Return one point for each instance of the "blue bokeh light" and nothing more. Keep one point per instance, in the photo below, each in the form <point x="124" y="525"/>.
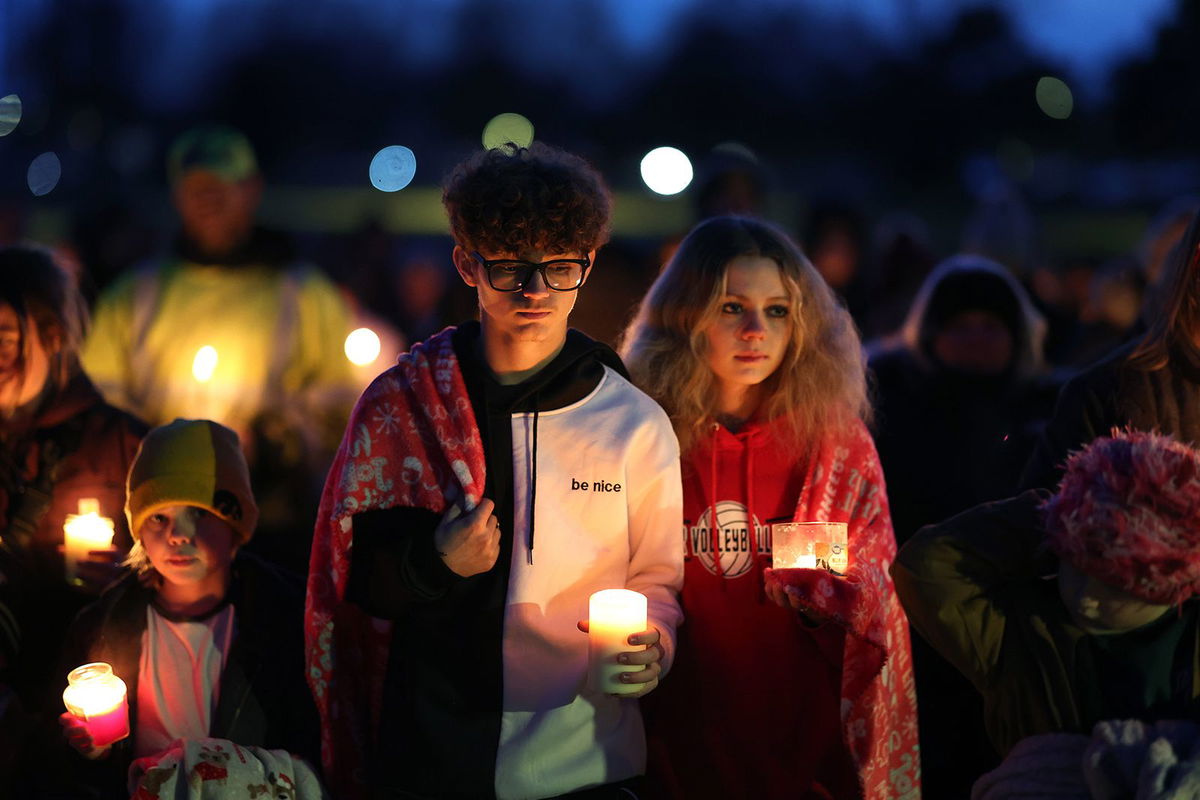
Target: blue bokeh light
<point x="44" y="173"/>
<point x="10" y="113"/>
<point x="393" y="168"/>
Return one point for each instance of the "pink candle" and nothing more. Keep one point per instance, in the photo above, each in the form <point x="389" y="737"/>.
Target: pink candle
<point x="96" y="697"/>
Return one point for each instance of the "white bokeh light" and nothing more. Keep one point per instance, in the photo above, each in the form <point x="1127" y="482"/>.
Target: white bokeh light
<point x="362" y="346"/>
<point x="666" y="170"/>
<point x="205" y="363"/>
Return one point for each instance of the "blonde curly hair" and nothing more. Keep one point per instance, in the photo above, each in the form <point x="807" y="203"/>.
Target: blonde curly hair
<point x="821" y="384"/>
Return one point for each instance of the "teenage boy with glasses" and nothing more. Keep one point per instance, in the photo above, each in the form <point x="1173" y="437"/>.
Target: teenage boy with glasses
<point x="488" y="484"/>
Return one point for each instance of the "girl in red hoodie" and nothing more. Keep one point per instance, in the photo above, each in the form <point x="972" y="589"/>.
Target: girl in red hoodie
<point x="796" y="683"/>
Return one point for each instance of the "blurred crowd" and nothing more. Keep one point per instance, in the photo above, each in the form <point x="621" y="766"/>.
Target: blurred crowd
<point x="967" y="350"/>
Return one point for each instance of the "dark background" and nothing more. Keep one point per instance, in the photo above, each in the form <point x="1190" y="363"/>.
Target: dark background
<point x="917" y="106"/>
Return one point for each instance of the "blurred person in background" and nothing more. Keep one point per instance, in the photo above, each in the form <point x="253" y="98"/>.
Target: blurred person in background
<point x="1109" y="317"/>
<point x="834" y="239"/>
<point x="1149" y="384"/>
<point x="230" y="326"/>
<point x="1156" y="252"/>
<point x="1003" y="228"/>
<point x="1163" y="235"/>
<point x="778" y="690"/>
<point x="426" y="298"/>
<point x="959" y="405"/>
<point x="60" y="443"/>
<point x="900" y="260"/>
<point x="730" y="179"/>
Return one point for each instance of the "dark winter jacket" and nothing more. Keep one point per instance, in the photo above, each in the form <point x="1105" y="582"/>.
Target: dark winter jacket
<point x="947" y="441"/>
<point x="264" y="699"/>
<point x="79" y="446"/>
<point x="1116" y="393"/>
<point x="981" y="589"/>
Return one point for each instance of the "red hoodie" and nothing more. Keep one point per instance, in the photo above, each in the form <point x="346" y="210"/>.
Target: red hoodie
<point x="757" y="705"/>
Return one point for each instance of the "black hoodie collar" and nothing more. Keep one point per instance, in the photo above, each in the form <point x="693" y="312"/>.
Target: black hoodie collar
<point x="568" y="378"/>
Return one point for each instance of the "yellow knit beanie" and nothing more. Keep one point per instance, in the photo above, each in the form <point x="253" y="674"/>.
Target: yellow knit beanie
<point x="194" y="462"/>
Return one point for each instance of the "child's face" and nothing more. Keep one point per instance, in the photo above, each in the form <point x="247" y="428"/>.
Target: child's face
<point x="1098" y="607"/>
<point x="187" y="544"/>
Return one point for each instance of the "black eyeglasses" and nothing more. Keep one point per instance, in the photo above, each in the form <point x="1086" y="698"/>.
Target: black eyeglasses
<point x="511" y="274"/>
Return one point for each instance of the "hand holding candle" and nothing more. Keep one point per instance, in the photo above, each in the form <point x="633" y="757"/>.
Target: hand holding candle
<point x="810" y="545"/>
<point x="95" y="698"/>
<point x="623" y="656"/>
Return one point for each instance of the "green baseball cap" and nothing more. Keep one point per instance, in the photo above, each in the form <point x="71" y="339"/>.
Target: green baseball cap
<point x="219" y="149"/>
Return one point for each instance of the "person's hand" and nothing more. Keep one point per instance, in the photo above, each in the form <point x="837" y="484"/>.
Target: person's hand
<point x="99" y="569"/>
<point x="781" y="597"/>
<point x="469" y="543"/>
<point x="650" y="657"/>
<point x="79" y="737"/>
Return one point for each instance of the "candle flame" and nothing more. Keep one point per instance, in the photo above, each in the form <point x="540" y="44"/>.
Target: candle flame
<point x="205" y="363"/>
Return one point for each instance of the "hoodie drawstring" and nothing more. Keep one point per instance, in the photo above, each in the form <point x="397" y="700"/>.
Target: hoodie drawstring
<point x="755" y="562"/>
<point x="533" y="478"/>
<point x="713" y="527"/>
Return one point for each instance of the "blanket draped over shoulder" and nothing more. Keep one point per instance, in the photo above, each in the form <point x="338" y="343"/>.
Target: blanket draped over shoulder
<point x="879" y="699"/>
<point x="412" y="441"/>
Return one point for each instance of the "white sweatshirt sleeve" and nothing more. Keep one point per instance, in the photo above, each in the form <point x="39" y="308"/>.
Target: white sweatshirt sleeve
<point x="655" y="525"/>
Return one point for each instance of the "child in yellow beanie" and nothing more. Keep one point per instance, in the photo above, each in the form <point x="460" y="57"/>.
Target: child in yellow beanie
<point x="208" y="640"/>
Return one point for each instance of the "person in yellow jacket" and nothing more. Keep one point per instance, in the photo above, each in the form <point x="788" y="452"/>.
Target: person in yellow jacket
<point x="230" y="326"/>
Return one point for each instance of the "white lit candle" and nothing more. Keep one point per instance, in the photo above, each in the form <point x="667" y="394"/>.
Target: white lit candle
<point x="84" y="532"/>
<point x="613" y="616"/>
<point x="96" y="697"/>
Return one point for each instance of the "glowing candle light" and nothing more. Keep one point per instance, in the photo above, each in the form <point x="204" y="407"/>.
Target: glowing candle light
<point x="362" y="346"/>
<point x="613" y="616"/>
<point x="205" y="363"/>
<point x="96" y="697"/>
<point x="84" y="532"/>
<point x="810" y="545"/>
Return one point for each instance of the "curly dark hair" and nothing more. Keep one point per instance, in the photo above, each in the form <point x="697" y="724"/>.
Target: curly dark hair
<point x="538" y="199"/>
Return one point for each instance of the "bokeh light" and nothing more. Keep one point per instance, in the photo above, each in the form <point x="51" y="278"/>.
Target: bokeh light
<point x="205" y="363"/>
<point x="666" y="170"/>
<point x="1054" y="98"/>
<point x="393" y="168"/>
<point x="505" y="128"/>
<point x="362" y="346"/>
<point x="10" y="114"/>
<point x="44" y="172"/>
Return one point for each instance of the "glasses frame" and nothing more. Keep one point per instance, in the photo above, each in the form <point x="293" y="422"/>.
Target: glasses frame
<point x="530" y="268"/>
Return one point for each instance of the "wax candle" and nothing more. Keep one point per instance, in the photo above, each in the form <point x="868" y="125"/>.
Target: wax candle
<point x="84" y="532"/>
<point x="96" y="697"/>
<point x="810" y="545"/>
<point x="613" y="616"/>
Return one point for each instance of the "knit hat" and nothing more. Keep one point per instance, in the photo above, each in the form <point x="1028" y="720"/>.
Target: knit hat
<point x="215" y="148"/>
<point x="193" y="462"/>
<point x="1128" y="513"/>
